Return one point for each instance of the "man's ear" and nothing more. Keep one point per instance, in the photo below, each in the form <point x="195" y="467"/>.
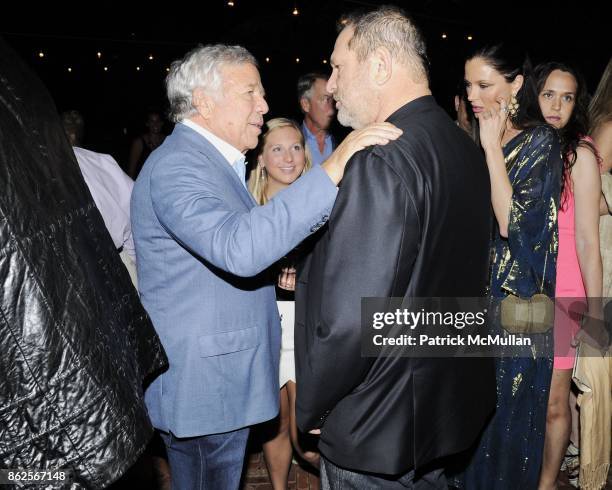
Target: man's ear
<point x="305" y="105"/>
<point x="203" y="102"/>
<point x="381" y="66"/>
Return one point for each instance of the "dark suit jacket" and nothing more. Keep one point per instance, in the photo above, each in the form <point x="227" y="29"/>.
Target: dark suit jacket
<point x="412" y="219"/>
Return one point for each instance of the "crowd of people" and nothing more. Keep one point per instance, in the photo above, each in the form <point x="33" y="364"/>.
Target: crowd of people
<point x="255" y="286"/>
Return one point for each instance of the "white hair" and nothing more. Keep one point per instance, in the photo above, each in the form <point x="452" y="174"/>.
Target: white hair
<point x="200" y="68"/>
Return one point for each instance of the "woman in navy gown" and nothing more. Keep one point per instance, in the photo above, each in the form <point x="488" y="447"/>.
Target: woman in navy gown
<point x="524" y="161"/>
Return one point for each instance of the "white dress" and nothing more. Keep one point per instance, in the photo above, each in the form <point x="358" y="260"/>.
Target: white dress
<point x="286" y="309"/>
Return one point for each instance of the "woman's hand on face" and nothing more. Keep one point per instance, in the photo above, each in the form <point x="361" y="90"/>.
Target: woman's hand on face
<point x="492" y="125"/>
<point x="372" y="134"/>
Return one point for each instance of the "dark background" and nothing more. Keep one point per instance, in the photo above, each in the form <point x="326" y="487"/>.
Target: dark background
<point x="113" y="101"/>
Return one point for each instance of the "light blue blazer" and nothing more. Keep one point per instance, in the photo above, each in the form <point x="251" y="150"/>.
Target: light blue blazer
<point x="200" y="238"/>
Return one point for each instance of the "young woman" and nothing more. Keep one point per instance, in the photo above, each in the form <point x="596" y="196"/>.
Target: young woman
<point x="593" y="367"/>
<point x="281" y="159"/>
<point x="523" y="158"/>
<point x="563" y="101"/>
<point x="600" y="113"/>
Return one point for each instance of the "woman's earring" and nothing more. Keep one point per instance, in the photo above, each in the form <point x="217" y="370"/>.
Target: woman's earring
<point x="513" y="106"/>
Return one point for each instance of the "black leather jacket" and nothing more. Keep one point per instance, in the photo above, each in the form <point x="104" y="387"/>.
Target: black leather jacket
<point x="75" y="343"/>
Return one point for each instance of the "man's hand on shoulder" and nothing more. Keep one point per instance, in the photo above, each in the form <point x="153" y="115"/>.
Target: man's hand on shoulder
<point x="373" y="134"/>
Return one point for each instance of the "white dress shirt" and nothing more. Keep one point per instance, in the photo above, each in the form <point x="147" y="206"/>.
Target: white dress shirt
<point x="233" y="156"/>
<point x="111" y="189"/>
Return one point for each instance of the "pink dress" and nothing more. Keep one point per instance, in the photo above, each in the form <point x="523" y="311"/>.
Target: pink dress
<point x="570" y="295"/>
<point x="569" y="291"/>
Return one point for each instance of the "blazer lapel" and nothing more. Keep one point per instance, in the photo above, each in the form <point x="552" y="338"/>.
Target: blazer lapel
<point x="211" y="153"/>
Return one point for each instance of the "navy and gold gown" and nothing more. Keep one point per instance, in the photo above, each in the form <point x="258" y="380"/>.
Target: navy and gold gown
<point x="509" y="453"/>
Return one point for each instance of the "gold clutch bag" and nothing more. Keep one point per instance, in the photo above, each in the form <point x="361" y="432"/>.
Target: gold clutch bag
<point x="527" y="316"/>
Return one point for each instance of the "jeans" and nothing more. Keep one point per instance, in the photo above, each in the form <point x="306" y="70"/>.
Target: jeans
<point x="335" y="478"/>
<point x="212" y="462"/>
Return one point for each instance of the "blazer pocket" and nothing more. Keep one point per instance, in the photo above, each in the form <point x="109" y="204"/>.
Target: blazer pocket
<point x="227" y="342"/>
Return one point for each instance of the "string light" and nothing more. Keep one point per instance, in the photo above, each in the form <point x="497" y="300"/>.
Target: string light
<point x="41" y="54"/>
<point x="69" y="70"/>
<point x="137" y="68"/>
<point x="167" y="69"/>
<point x="443" y="35"/>
<point x="296" y="11"/>
<point x="106" y="68"/>
<point x="325" y="62"/>
<point x="230" y="3"/>
<point x="151" y="57"/>
<point x="469" y="38"/>
<point x="267" y="60"/>
<point x="99" y="54"/>
<point x="297" y="60"/>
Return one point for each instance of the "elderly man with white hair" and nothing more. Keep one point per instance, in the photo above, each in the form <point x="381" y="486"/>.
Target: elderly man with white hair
<point x="201" y="242"/>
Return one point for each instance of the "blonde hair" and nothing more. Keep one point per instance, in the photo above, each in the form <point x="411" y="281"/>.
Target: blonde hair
<point x="600" y="108"/>
<point x="258" y="181"/>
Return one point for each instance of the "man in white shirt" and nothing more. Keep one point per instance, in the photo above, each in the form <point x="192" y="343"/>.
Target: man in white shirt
<point x="110" y="187"/>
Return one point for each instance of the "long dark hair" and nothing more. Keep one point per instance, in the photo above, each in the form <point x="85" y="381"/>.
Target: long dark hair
<point x="578" y="124"/>
<point x="510" y="62"/>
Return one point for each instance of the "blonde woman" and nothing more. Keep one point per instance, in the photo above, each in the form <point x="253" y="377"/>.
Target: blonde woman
<point x="593" y="370"/>
<point x="282" y="158"/>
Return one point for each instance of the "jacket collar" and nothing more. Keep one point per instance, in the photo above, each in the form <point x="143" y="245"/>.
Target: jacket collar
<point x="231" y="154"/>
<point x="420" y="104"/>
<point x="202" y="145"/>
